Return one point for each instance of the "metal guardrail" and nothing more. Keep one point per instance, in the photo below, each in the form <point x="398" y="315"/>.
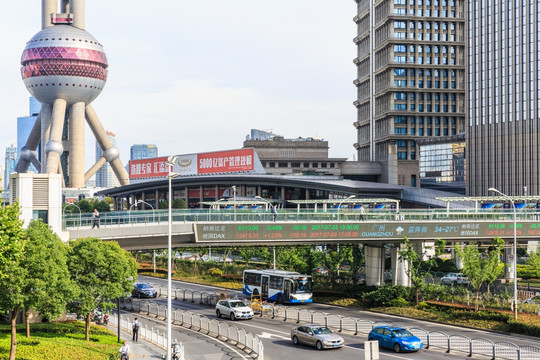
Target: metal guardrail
<point x="431" y="339"/>
<point x="147" y="334"/>
<point x="231" y="334"/>
<point x="202" y="215"/>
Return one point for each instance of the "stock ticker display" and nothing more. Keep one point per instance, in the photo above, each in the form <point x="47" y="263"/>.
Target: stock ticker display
<point x="265" y="232"/>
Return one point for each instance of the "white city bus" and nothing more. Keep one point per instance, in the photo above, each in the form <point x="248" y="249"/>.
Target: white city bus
<point x="278" y="285"/>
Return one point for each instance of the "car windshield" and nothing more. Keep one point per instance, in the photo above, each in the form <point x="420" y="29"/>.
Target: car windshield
<point x="321" y="330"/>
<point x="402" y="333"/>
<point x="237" y="304"/>
<point x="144" y="286"/>
<point x="302" y="285"/>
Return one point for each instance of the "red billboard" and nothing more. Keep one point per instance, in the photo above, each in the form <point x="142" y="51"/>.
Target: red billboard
<point x="225" y="161"/>
<point x="148" y="168"/>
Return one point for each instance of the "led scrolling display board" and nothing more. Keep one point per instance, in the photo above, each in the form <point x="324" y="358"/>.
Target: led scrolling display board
<point x="307" y="232"/>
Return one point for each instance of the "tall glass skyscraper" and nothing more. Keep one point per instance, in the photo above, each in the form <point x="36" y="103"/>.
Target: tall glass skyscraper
<point x="503" y="142"/>
<point x="143" y="151"/>
<point x="24" y="127"/>
<point x="411" y="78"/>
<point x="10" y="163"/>
<point x="105" y="176"/>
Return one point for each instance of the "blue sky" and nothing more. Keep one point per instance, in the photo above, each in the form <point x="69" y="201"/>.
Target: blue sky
<point x="196" y="76"/>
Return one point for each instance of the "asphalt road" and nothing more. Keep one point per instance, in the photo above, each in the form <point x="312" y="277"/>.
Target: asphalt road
<point x="275" y="334"/>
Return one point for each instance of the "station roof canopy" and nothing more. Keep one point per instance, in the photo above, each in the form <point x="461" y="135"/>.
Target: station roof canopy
<point x="488" y="198"/>
<point x="345" y="201"/>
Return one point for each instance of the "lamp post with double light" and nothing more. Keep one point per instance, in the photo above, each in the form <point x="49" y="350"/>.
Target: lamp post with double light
<point x="80" y="213"/>
<point x="170" y="162"/>
<point x="514" y="252"/>
<point x="339" y="206"/>
<point x="234" y="201"/>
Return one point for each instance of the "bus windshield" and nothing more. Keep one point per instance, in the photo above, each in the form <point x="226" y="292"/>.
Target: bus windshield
<point x="302" y="285"/>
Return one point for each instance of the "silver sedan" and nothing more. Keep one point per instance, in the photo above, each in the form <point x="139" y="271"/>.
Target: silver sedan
<point x="316" y="335"/>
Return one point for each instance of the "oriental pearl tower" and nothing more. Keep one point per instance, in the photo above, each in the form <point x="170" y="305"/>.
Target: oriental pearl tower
<point x="65" y="69"/>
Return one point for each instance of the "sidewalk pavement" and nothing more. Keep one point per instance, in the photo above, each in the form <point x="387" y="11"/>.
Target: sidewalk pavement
<point x="142" y="349"/>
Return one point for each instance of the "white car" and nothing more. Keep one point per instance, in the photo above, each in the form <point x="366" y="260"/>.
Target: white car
<point x="233" y="309"/>
<point x="455" y="279"/>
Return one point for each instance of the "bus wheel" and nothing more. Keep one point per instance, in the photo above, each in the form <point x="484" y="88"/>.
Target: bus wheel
<point x="280" y="299"/>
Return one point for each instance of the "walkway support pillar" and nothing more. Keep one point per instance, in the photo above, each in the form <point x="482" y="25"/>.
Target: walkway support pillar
<point x="374" y="265"/>
<point x="400" y="268"/>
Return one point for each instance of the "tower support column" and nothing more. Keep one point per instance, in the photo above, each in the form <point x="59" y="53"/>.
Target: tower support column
<point x="76" y="145"/>
<point x="109" y="151"/>
<point x="54" y="147"/>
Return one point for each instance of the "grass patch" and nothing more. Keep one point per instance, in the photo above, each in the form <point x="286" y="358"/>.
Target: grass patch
<point x="60" y="341"/>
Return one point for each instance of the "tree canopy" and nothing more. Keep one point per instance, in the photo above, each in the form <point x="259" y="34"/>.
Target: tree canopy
<point x="101" y="271"/>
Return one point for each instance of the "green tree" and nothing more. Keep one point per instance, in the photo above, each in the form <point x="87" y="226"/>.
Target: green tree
<point x="48" y="285"/>
<point x="534" y="262"/>
<point x="333" y="259"/>
<point x="102" y="272"/>
<point x="12" y="274"/>
<point x="415" y="263"/>
<point x="479" y="263"/>
<point x="101" y="206"/>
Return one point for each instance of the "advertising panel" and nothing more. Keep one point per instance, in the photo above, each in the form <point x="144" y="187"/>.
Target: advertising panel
<point x="148" y="168"/>
<point x="225" y="161"/>
<point x="186" y="165"/>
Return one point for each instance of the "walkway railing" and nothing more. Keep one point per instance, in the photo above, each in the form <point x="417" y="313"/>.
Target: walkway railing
<point x="147" y="334"/>
<point x="230" y="334"/>
<point x="203" y="215"/>
<point x="356" y="326"/>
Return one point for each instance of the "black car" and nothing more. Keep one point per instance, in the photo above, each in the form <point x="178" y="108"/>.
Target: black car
<point x="141" y="290"/>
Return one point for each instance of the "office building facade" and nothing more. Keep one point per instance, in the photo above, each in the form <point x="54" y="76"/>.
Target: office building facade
<point x="24" y="127"/>
<point x="143" y="151"/>
<point x="10" y="164"/>
<point x="411" y="78"/>
<point x="504" y="100"/>
<point x="105" y="176"/>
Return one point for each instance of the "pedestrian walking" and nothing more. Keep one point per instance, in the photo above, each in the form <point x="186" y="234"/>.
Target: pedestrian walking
<point x="136" y="324"/>
<point x="95" y="219"/>
<point x="274" y="213"/>
<point x="124" y="350"/>
<point x="362" y="213"/>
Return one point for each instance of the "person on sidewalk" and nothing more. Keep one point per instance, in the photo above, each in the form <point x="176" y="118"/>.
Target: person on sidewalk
<point x="125" y="351"/>
<point x="95" y="217"/>
<point x="362" y="213"/>
<point x="136" y="324"/>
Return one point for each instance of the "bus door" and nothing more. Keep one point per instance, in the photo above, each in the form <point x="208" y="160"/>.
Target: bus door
<point x="287" y="286"/>
<point x="264" y="286"/>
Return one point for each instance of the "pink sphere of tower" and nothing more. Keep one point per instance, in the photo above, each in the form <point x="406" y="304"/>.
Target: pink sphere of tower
<point x="64" y="62"/>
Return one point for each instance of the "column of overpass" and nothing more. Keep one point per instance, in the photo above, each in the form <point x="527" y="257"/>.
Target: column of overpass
<point x="399" y="268"/>
<point x="374" y="265"/>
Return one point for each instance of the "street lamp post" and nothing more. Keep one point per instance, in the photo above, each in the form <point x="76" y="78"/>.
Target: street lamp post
<point x="339" y="206"/>
<point x="80" y="213"/>
<point x="213" y="205"/>
<point x="514" y="252"/>
<point x="170" y="162"/>
<point x="234" y="201"/>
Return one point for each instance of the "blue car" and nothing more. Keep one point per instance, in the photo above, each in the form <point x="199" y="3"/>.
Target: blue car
<point x="397" y="338"/>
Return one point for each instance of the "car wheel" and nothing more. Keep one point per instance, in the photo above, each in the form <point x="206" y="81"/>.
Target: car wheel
<point x="454" y="283"/>
<point x="280" y="299"/>
<point x="397" y="348"/>
<point x="231" y="316"/>
<point x="370" y="338"/>
<point x="218" y="314"/>
<point x="319" y="345"/>
<point x="295" y="340"/>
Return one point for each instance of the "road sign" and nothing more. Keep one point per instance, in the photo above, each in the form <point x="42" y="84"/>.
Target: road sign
<point x="371" y="350"/>
<point x="510" y="258"/>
